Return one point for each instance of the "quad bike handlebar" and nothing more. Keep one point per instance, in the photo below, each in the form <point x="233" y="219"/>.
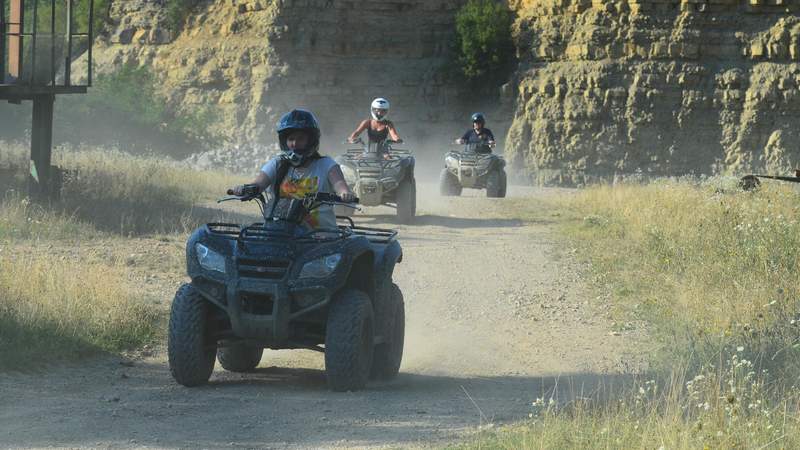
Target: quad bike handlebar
<point x="253" y="191"/>
<point x="358" y="140"/>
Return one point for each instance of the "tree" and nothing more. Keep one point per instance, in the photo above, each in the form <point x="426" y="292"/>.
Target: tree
<point x="485" y="48"/>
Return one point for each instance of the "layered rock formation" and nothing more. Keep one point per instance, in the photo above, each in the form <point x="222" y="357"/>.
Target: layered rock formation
<point x="660" y="87"/>
<point x="255" y="59"/>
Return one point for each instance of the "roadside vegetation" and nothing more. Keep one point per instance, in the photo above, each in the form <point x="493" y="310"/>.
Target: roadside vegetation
<point x="712" y="273"/>
<point x="92" y="273"/>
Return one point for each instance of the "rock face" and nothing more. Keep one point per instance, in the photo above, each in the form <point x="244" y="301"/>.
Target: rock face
<point x="660" y="87"/>
<point x="253" y="60"/>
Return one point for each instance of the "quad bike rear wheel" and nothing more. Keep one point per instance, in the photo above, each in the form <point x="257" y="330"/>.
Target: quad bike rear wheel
<point x="349" y="341"/>
<point x="448" y="184"/>
<point x="389" y="354"/>
<point x="407" y="201"/>
<point x="191" y="353"/>
<point x="496" y="184"/>
<point x="240" y="357"/>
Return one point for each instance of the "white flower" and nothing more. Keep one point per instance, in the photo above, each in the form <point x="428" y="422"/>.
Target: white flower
<point x="740" y="349"/>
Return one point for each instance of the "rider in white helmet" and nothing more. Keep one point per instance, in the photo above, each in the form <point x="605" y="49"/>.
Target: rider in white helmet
<point x="378" y="128"/>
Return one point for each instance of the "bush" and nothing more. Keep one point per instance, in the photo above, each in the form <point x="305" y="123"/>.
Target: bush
<point x="484" y="44"/>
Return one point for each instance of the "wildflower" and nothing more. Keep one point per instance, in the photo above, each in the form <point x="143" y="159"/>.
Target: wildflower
<point x="740" y="349"/>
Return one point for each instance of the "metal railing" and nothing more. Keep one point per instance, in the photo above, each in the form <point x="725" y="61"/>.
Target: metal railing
<point x="28" y="45"/>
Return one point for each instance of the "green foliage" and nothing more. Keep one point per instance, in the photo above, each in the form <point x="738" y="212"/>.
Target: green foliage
<point x="178" y="11"/>
<point x="484" y="44"/>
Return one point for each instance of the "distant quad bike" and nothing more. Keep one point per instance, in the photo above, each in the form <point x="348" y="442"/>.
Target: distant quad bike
<point x="278" y="285"/>
<point x="381" y="175"/>
<point x="476" y="167"/>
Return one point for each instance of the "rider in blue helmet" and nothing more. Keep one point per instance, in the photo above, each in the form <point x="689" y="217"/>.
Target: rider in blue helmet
<point x="479" y="134"/>
<point x="300" y="169"/>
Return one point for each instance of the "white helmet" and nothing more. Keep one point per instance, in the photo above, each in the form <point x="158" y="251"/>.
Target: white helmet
<point x="380" y="108"/>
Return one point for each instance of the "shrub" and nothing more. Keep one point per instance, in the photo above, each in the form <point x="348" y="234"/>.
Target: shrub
<point x="484" y="45"/>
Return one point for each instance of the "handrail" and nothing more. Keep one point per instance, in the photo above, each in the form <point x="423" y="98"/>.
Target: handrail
<point x="28" y="55"/>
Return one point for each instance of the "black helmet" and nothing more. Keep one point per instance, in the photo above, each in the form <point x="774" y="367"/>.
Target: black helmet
<point x="299" y="119"/>
<point x="479" y="117"/>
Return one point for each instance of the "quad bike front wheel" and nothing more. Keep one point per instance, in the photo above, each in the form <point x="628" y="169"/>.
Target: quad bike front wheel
<point x="240" y="357"/>
<point x="389" y="354"/>
<point x="349" y="341"/>
<point x="406" y="201"/>
<point x="496" y="184"/>
<point x="448" y="184"/>
<point x="191" y="353"/>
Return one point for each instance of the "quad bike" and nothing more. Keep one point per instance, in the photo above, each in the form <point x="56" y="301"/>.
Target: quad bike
<point x="476" y="167"/>
<point x="279" y="285"/>
<point x="381" y="175"/>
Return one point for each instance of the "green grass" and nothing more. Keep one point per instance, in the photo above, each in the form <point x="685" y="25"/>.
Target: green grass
<point x="713" y="273"/>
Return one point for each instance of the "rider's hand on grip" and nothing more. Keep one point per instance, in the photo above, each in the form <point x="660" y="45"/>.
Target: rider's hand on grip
<point x="349" y="197"/>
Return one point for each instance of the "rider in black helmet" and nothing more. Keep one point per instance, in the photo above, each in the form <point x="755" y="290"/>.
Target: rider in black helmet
<point x="301" y="169"/>
<point x="479" y="134"/>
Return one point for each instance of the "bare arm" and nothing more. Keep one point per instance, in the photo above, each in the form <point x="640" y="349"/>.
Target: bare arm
<point x="262" y="180"/>
<point x="361" y="127"/>
<point x="336" y="178"/>
<point x="393" y="133"/>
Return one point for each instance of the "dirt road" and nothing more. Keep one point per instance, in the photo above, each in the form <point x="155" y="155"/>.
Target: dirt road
<point x="497" y="315"/>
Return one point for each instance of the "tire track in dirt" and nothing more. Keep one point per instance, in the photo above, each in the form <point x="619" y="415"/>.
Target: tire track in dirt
<point x="497" y="315"/>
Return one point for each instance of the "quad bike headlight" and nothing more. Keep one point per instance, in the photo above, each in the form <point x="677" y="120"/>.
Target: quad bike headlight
<point x="321" y="267"/>
<point x="209" y="259"/>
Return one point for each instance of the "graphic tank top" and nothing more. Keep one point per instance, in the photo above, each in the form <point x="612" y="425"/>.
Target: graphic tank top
<point x="300" y="181"/>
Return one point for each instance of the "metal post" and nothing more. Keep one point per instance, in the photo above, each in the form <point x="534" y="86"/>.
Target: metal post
<point x="33" y="44"/>
<point x="40" y="181"/>
<point x="68" y="68"/>
<point x="53" y="43"/>
<point x="91" y="40"/>
<point x="2" y="41"/>
<point x="15" y="22"/>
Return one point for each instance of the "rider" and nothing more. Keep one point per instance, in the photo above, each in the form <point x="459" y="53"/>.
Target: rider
<point x="378" y="128"/>
<point x="479" y="134"/>
<point x="301" y="170"/>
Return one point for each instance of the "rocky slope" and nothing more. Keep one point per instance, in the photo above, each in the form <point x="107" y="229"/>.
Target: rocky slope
<point x="604" y="88"/>
<point x="658" y="87"/>
<point x="255" y="59"/>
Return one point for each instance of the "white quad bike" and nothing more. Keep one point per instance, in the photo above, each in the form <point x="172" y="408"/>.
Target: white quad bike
<point x="475" y="167"/>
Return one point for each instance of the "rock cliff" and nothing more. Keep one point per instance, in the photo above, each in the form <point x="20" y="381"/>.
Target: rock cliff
<point x="659" y="87"/>
<point x="255" y="59"/>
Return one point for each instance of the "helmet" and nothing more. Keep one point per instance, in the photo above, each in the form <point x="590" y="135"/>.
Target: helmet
<point x="479" y="117"/>
<point x="377" y="105"/>
<point x="299" y="119"/>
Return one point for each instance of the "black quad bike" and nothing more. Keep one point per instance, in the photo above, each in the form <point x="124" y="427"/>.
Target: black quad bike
<point x="278" y="285"/>
<point x="476" y="167"/>
<point x="382" y="175"/>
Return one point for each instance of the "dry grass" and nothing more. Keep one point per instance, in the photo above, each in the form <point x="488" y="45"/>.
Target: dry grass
<point x="126" y="194"/>
<point x="59" y="310"/>
<point x="57" y="305"/>
<point x="712" y="271"/>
